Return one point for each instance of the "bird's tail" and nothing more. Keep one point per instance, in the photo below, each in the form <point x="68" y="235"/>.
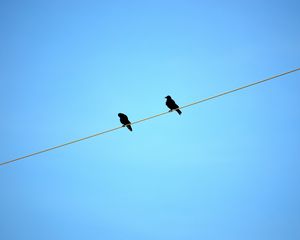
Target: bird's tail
<point x="129" y="127"/>
<point x="179" y="112"/>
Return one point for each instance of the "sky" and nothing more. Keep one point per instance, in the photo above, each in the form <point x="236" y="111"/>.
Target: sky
<point x="225" y="169"/>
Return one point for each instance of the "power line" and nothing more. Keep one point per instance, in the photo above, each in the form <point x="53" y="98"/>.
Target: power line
<point x="148" y="118"/>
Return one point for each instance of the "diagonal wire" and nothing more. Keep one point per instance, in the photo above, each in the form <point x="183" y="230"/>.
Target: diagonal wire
<point x="148" y="118"/>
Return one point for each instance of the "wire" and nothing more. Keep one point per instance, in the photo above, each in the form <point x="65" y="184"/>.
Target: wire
<point x="148" y="118"/>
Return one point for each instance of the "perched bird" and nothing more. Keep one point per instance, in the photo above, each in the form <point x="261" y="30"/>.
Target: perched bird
<point x="172" y="105"/>
<point x="124" y="120"/>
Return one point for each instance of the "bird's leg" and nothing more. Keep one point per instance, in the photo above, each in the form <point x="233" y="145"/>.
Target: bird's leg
<point x="171" y="110"/>
<point x="123" y="125"/>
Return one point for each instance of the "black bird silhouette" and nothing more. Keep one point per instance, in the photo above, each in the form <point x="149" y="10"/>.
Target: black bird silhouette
<point x="172" y="105"/>
<point x="124" y="120"/>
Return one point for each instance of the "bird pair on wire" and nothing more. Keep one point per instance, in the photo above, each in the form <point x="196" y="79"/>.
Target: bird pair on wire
<point x="170" y="104"/>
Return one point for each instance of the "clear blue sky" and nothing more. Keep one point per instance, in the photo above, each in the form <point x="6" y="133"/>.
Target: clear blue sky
<point x="224" y="170"/>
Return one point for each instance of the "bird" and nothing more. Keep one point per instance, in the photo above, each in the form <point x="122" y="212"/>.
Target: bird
<point x="172" y="105"/>
<point x="125" y="121"/>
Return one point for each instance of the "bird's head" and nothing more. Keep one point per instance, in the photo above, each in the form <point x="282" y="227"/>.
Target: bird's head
<point x="120" y="114"/>
<point x="168" y="97"/>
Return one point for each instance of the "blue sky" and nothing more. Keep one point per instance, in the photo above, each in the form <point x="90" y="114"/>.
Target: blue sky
<point x="226" y="169"/>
